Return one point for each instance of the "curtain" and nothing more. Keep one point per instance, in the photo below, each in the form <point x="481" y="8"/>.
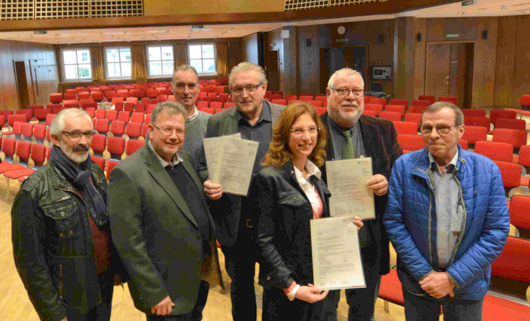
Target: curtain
<point x="222" y="58"/>
<point x="139" y="66"/>
<point x="97" y="64"/>
<point x="180" y="55"/>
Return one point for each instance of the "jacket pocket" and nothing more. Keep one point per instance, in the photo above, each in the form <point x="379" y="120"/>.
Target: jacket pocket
<point x="69" y="275"/>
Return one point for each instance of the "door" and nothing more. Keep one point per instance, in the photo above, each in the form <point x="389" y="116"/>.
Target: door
<point x="274" y="73"/>
<point x="22" y="84"/>
<point x="449" y="71"/>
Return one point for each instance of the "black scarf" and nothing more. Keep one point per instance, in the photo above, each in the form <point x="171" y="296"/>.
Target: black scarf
<point x="80" y="178"/>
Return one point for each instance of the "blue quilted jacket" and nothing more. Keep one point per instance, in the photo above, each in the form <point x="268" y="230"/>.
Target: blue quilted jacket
<point x="410" y="221"/>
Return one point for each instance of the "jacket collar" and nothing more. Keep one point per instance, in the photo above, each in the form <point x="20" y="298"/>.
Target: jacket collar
<point x="159" y="174"/>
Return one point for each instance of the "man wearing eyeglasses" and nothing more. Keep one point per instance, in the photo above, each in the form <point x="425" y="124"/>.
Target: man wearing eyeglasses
<point x="162" y="228"/>
<point x="253" y="117"/>
<point x="60" y="228"/>
<point x="447" y="219"/>
<point x="186" y="91"/>
<point x="353" y="135"/>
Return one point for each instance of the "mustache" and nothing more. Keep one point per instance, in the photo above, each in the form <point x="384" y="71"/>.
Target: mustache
<point x="350" y="104"/>
<point x="79" y="148"/>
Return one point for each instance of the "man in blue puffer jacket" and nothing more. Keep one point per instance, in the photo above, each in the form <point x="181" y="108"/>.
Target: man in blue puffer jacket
<point x="447" y="220"/>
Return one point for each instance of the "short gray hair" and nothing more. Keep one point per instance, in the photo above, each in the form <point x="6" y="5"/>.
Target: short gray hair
<point x="248" y="66"/>
<point x="184" y="68"/>
<point x="171" y="108"/>
<point x="57" y="125"/>
<point x="437" y="106"/>
<point x="343" y="72"/>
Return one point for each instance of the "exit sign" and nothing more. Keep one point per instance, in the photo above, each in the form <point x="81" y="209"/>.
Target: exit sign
<point x="469" y="2"/>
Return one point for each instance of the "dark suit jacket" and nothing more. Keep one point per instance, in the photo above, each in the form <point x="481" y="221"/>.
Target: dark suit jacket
<point x="380" y="142"/>
<point x="226" y="212"/>
<point x="156" y="234"/>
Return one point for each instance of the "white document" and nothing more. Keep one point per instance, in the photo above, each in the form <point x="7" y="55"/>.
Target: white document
<point x="336" y="254"/>
<point x="347" y="181"/>
<point x="230" y="162"/>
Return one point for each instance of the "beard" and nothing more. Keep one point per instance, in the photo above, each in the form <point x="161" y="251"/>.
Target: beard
<point x="72" y="155"/>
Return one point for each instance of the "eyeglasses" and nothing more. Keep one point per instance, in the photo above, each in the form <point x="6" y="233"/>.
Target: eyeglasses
<point x="182" y="85"/>
<point x="343" y="92"/>
<point x="441" y="129"/>
<point x="250" y="89"/>
<point x="168" y="131"/>
<point x="76" y="135"/>
<point x="301" y="131"/>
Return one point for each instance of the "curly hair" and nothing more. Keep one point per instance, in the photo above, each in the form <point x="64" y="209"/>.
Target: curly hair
<point x="279" y="153"/>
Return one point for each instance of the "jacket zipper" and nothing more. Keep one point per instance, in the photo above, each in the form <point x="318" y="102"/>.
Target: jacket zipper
<point x="61" y="281"/>
<point x="461" y="236"/>
<point x="430" y="214"/>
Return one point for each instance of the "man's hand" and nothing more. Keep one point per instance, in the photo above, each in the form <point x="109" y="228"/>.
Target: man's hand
<point x="214" y="191"/>
<point x="379" y="184"/>
<point x="310" y="293"/>
<point x="64" y="319"/>
<point x="163" y="307"/>
<point x="358" y="221"/>
<point x="438" y="285"/>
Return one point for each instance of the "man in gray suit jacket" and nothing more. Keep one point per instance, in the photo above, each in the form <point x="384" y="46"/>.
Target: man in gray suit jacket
<point x="253" y="117"/>
<point x="164" y="232"/>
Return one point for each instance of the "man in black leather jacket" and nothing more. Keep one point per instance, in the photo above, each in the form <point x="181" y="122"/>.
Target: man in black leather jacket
<point x="60" y="228"/>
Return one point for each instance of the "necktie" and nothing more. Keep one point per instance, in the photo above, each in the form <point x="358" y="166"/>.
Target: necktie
<point x="348" y="151"/>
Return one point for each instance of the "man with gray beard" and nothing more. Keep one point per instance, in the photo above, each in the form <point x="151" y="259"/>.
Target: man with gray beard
<point x="60" y="228"/>
<point x="353" y="135"/>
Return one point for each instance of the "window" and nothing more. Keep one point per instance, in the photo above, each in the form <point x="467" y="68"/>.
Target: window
<point x="202" y="57"/>
<point x="118" y="61"/>
<point x="160" y="61"/>
<point x="76" y="64"/>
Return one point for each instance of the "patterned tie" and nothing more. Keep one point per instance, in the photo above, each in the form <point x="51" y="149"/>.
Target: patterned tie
<point x="348" y="151"/>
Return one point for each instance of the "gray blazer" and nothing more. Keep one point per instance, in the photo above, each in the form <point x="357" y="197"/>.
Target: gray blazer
<point x="155" y="232"/>
<point x="226" y="212"/>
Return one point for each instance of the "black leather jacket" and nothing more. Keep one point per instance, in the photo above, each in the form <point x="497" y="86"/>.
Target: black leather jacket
<point x="53" y="245"/>
<point x="283" y="232"/>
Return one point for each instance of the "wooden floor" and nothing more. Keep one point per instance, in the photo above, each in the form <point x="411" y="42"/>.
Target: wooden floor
<point x="15" y="304"/>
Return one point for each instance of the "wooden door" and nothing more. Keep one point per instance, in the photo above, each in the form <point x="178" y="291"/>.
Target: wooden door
<point x="438" y="70"/>
<point x="22" y="84"/>
<point x="274" y="71"/>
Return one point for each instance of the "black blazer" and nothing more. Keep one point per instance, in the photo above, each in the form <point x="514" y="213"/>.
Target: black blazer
<point x="226" y="211"/>
<point x="380" y="143"/>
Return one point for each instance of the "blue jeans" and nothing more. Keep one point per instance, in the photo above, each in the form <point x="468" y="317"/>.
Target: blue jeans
<point x="427" y="308"/>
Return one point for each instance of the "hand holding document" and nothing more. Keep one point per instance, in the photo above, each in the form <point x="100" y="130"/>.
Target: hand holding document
<point x="336" y="254"/>
<point x="230" y="161"/>
<point x="347" y="181"/>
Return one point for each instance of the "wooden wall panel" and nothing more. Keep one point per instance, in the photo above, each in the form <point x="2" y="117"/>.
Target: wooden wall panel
<point x="420" y="54"/>
<point x="249" y="47"/>
<point x="403" y="73"/>
<point x="379" y="53"/>
<point x="234" y="53"/>
<point x="521" y="83"/>
<point x="291" y="58"/>
<point x="505" y="63"/>
<point x="43" y="73"/>
<point x="275" y="42"/>
<point x="484" y="63"/>
<point x="438" y="29"/>
<point x="309" y="61"/>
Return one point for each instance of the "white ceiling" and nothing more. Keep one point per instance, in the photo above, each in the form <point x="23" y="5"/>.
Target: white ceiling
<point x="481" y="8"/>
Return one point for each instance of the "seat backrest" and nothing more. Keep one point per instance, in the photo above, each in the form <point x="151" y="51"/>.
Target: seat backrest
<point x="474" y="112"/>
<point x="411" y="142"/>
<point x="402" y="102"/>
<point x="514" y="261"/>
<point x="430" y="98"/>
<point x="519" y="124"/>
<point x="378" y="108"/>
<point x="511" y="136"/>
<point x="416" y="109"/>
<point x="100" y="113"/>
<point x="124" y="116"/>
<point x="102" y="125"/>
<point x="116" y="145"/>
<point x="406" y="127"/>
<point x="27" y="129"/>
<point x="477" y="121"/>
<point x="414" y="118"/>
<point x="133" y="129"/>
<point x="379" y="101"/>
<point x="11" y="119"/>
<point x="396" y="108"/>
<point x="99" y="142"/>
<point x="17" y="128"/>
<point x="496" y="151"/>
<point x="202" y="104"/>
<point x="112" y="114"/>
<point x="420" y="102"/>
<point x="390" y="115"/>
<point x="38" y="154"/>
<point x="216" y="105"/>
<point x="137" y="118"/>
<point x="511" y="174"/>
<point x="524" y="155"/>
<point x="99" y="161"/>
<point x="39" y="131"/>
<point x="475" y="134"/>
<point x="23" y="151"/>
<point x="519" y="211"/>
<point x="367" y="112"/>
<point x="9" y="148"/>
<point x="279" y="102"/>
<point x="463" y="143"/>
<point x="109" y="165"/>
<point x="117" y="127"/>
<point x="305" y="97"/>
<point x="132" y="145"/>
<point x="496" y="114"/>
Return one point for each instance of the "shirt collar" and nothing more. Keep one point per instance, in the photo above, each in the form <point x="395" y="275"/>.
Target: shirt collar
<point x="175" y="161"/>
<point x="450" y="166"/>
<point x="312" y="169"/>
<point x="195" y="114"/>
<point x="264" y="116"/>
